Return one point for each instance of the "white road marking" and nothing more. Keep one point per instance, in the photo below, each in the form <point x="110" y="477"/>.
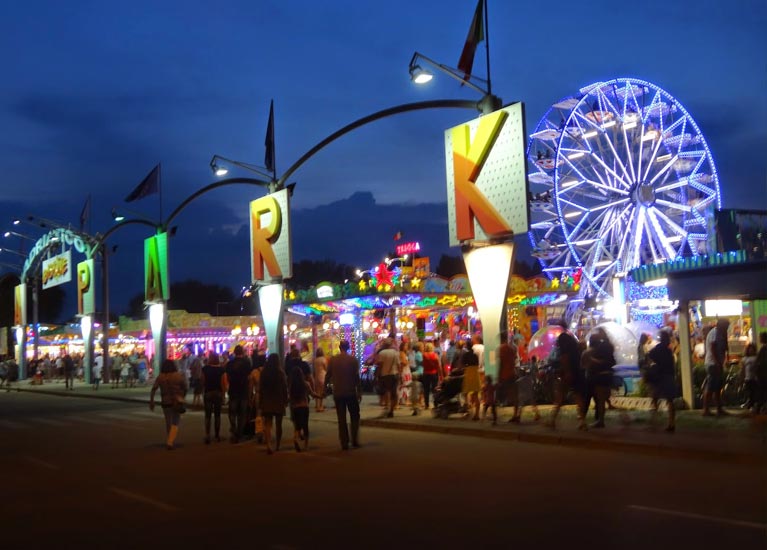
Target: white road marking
<point x="49" y="422"/>
<point x="689" y="515"/>
<point x="10" y="424"/>
<point x="42" y="463"/>
<point x="141" y="498"/>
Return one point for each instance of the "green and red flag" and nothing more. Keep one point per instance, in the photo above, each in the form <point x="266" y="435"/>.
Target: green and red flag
<point x="475" y="36"/>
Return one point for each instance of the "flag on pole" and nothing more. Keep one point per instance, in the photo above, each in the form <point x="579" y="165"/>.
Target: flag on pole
<point x="86" y="213"/>
<point x="398" y="236"/>
<point x="269" y="159"/>
<point x="149" y="186"/>
<point x="476" y="35"/>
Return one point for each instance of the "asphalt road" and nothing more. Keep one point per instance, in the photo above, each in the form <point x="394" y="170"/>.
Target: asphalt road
<point x="95" y="474"/>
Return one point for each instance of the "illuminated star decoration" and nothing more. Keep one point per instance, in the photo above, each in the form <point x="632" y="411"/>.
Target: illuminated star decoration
<point x="363" y="285"/>
<point x="415" y="282"/>
<point x="384" y="276"/>
<point x="554" y="283"/>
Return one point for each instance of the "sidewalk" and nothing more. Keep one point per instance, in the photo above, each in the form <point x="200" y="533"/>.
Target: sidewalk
<point x="734" y="438"/>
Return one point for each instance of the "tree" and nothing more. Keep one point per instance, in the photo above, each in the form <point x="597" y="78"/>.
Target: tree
<point x="450" y="266"/>
<point x="194" y="297"/>
<point x="308" y="273"/>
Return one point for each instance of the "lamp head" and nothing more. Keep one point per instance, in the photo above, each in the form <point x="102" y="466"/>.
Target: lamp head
<point x="116" y="216"/>
<point x="419" y="75"/>
<point x="7" y="234"/>
<point x="16" y="221"/>
<point x="217" y="168"/>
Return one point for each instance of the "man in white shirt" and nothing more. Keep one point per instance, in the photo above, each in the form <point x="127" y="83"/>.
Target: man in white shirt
<point x="716" y="355"/>
<point x="388" y="366"/>
<point x="478" y="348"/>
<point x="98" y="366"/>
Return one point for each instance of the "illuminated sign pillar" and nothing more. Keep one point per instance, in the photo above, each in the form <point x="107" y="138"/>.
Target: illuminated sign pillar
<point x="489" y="271"/>
<point x="86" y="307"/>
<point x="486" y="208"/>
<point x="156" y="293"/>
<point x="271" y="262"/>
<point x="20" y="322"/>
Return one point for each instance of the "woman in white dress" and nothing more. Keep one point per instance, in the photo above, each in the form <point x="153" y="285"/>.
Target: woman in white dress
<point x="406" y="377"/>
<point x="320" y="369"/>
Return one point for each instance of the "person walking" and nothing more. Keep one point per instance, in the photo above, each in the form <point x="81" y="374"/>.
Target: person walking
<point x="416" y="372"/>
<point x="115" y="369"/>
<point x="471" y="382"/>
<point x="69" y="372"/>
<point x="405" y="374"/>
<point x="432" y="373"/>
<point x="300" y="389"/>
<point x="237" y="372"/>
<point x="98" y="365"/>
<point x="570" y="378"/>
<point x="254" y="381"/>
<point x="716" y="356"/>
<point x="344" y="374"/>
<point x="664" y="387"/>
<point x="173" y="388"/>
<point x="320" y="370"/>
<point x="212" y="382"/>
<point x="750" y="378"/>
<point x="598" y="361"/>
<point x="195" y="379"/>
<point x="273" y="398"/>
<point x="389" y="365"/>
<point x="488" y="398"/>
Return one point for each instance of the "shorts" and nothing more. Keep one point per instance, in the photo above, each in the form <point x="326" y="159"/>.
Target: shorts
<point x="300" y="418"/>
<point x="389" y="384"/>
<point x="713" y="378"/>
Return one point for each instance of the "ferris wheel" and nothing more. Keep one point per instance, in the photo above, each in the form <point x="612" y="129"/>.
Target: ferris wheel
<point x="620" y="176"/>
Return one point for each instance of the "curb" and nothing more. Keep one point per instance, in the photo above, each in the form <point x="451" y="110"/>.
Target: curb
<point x="84" y="395"/>
<point x="652" y="449"/>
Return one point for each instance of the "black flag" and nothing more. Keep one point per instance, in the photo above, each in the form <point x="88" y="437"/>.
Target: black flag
<point x="269" y="159"/>
<point x="149" y="186"/>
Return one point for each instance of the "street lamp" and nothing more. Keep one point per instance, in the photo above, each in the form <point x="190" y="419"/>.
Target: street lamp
<point x="419" y="75"/>
<point x="13" y="252"/>
<point x="218" y="167"/>
<point x="20" y="235"/>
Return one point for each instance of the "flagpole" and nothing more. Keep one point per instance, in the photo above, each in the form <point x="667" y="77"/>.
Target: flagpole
<point x="90" y="212"/>
<point x="159" y="185"/>
<point x="487" y="51"/>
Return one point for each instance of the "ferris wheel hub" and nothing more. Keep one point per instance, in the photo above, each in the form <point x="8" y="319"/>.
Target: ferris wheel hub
<point x="645" y="195"/>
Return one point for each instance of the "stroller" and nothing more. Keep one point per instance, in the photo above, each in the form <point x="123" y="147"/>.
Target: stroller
<point x="447" y="397"/>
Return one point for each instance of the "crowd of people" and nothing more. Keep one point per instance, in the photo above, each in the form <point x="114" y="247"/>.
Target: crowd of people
<point x="258" y="390"/>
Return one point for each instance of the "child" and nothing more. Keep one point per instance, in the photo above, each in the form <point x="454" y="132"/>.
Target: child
<point x="488" y="398"/>
<point x="299" y="390"/>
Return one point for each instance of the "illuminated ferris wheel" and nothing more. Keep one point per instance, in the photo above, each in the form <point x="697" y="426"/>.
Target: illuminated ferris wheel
<point x="620" y="176"/>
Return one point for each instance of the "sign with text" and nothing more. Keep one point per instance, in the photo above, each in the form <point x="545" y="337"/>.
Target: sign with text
<point x="270" y="248"/>
<point x="86" y="288"/>
<point x="57" y="270"/>
<point x="487" y="177"/>
<point x="20" y="305"/>
<point x="421" y="267"/>
<point x="408" y="248"/>
<point x="156" y="286"/>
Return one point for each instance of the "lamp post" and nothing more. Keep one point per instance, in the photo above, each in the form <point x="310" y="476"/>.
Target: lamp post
<point x="420" y="75"/>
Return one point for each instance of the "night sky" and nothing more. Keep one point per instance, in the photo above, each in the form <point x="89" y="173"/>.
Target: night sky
<point x="94" y="94"/>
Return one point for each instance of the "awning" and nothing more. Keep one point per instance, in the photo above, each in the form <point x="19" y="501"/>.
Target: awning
<point x="746" y="281"/>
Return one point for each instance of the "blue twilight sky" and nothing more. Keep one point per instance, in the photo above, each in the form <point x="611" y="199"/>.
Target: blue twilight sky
<point x="95" y="93"/>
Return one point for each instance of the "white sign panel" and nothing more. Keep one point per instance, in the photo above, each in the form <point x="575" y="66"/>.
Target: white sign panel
<point x="57" y="270"/>
<point x="487" y="177"/>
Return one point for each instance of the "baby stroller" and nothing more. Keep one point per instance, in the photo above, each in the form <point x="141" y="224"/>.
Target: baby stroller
<point x="447" y="397"/>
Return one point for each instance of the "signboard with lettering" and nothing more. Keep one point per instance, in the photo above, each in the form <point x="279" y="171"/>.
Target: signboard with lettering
<point x="57" y="270"/>
<point x="487" y="177"/>
<point x="270" y="248"/>
<point x="86" y="288"/>
<point x="156" y="286"/>
<point x="408" y="248"/>
<point x="20" y="305"/>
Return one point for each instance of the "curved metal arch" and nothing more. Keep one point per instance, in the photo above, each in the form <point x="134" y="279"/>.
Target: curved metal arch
<point x="211" y="187"/>
<point x="399" y="109"/>
<point x="102" y="239"/>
